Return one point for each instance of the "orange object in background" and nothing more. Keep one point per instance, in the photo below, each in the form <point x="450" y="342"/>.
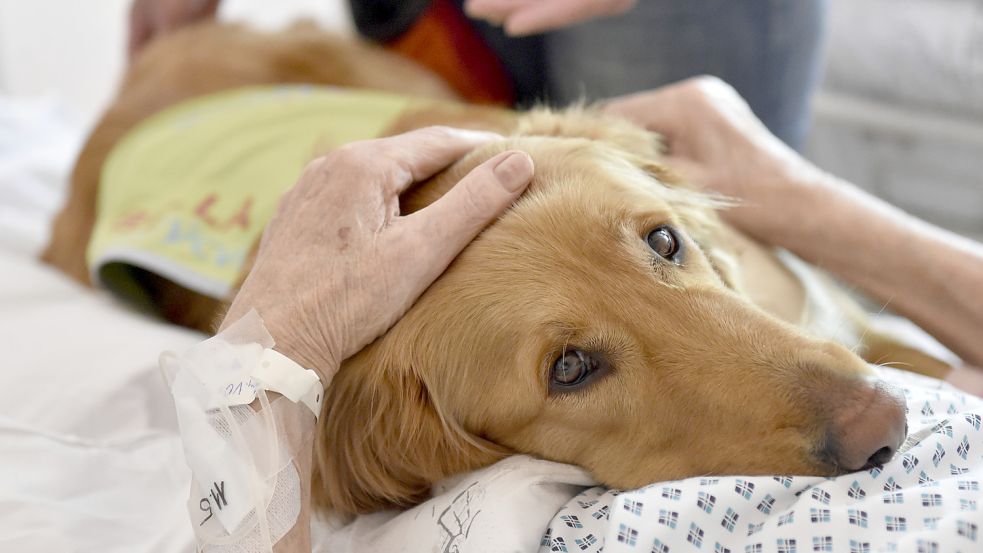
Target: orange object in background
<point x="444" y="41"/>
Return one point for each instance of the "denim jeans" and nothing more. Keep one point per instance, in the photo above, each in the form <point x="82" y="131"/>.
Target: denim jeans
<point x="769" y="50"/>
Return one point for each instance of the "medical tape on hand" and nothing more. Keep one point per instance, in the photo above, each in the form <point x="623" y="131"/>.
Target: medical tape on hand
<point x="279" y="373"/>
<point x="246" y="489"/>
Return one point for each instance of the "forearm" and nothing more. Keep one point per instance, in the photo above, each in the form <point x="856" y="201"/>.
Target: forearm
<point x="300" y="429"/>
<point x="930" y="275"/>
<point x="249" y="447"/>
<point x="298" y="538"/>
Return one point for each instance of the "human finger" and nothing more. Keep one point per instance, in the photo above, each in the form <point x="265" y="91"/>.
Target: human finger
<point x="547" y="15"/>
<point x="493" y="11"/>
<point x="453" y="221"/>
<point x="413" y="156"/>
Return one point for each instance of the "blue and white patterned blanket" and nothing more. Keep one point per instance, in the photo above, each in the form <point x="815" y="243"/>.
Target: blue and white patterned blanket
<point x="927" y="499"/>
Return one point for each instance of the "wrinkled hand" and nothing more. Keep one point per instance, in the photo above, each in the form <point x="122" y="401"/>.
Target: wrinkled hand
<point x="149" y="18"/>
<point x="716" y="142"/>
<point x="338" y="265"/>
<point x="527" y="17"/>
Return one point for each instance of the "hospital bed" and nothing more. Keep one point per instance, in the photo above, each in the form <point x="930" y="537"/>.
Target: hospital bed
<point x="90" y="459"/>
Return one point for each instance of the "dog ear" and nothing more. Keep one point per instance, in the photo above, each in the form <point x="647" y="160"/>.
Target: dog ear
<point x="383" y="442"/>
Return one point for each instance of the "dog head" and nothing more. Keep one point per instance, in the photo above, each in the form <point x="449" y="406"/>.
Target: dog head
<point x="593" y="324"/>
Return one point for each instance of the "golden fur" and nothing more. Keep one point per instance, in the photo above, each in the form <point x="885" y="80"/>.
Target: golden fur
<point x="716" y="342"/>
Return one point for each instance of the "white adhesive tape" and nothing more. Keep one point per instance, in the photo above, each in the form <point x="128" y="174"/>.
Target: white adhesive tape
<point x="236" y="371"/>
<point x="280" y="374"/>
<point x="224" y="510"/>
<point x="245" y="491"/>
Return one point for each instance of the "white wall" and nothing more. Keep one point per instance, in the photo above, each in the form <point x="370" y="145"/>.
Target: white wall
<point x="75" y="49"/>
<point x="70" y="49"/>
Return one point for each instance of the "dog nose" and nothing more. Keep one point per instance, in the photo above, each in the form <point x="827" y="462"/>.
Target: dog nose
<point x="870" y="429"/>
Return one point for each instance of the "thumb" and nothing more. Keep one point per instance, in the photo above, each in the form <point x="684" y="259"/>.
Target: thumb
<point x="453" y="221"/>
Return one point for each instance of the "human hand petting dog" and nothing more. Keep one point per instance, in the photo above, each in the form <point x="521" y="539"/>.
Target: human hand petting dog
<point x="921" y="271"/>
<point x="527" y="17"/>
<point x="338" y="265"/>
<point x="715" y="141"/>
<point x="149" y="18"/>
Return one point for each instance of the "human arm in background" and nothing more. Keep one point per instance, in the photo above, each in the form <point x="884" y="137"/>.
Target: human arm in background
<point x="930" y="275"/>
<point x="338" y="265"/>
<point x="527" y="17"/>
<point x="149" y="18"/>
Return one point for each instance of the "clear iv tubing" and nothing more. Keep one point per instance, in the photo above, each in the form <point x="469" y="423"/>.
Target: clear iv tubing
<point x="260" y="501"/>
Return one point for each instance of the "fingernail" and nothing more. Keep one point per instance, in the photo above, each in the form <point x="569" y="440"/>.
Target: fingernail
<point x="477" y="136"/>
<point x="514" y="171"/>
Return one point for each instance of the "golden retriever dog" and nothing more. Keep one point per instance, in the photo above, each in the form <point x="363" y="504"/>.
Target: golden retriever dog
<point x="602" y="319"/>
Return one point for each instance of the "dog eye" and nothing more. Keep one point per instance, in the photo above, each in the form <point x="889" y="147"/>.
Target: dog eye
<point x="663" y="242"/>
<point x="573" y="367"/>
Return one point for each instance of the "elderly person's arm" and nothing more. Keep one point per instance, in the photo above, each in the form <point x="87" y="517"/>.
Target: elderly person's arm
<point x="338" y="265"/>
<point x="930" y="275"/>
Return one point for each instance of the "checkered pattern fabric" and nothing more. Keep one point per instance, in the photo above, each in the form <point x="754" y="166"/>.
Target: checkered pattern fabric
<point x="926" y="499"/>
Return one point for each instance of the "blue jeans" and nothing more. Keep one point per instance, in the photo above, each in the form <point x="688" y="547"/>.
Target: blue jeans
<point x="769" y="50"/>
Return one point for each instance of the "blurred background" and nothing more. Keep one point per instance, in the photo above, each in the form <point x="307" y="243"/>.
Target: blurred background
<point x="899" y="111"/>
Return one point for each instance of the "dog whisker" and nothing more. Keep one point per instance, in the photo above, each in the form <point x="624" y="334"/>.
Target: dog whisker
<point x="863" y="335"/>
<point x="894" y="364"/>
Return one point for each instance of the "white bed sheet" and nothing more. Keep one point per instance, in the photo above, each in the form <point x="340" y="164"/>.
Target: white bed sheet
<point x="89" y="457"/>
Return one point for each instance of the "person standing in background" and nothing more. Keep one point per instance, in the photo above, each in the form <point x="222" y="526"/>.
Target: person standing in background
<point x="523" y="52"/>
